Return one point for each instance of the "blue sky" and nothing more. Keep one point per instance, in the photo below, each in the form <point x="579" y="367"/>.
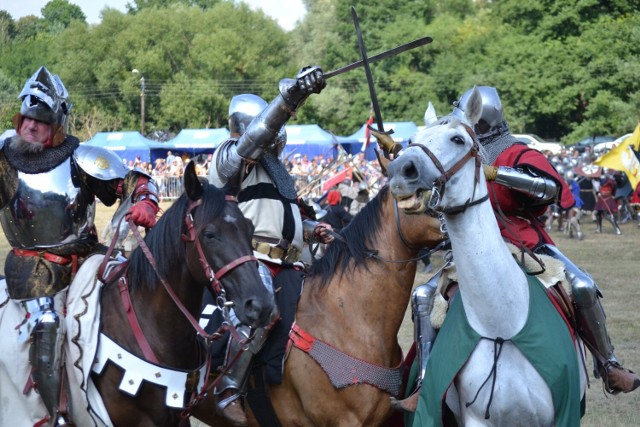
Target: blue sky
<point x="286" y="12"/>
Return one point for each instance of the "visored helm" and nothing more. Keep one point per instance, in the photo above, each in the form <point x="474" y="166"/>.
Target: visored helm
<point x="242" y="110"/>
<point x="491" y="122"/>
<point x="44" y="98"/>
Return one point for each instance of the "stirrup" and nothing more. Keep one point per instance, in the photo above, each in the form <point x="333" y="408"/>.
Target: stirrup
<point x="408" y="404"/>
<point x="226" y="408"/>
<point x="611" y="367"/>
<point x="62" y="421"/>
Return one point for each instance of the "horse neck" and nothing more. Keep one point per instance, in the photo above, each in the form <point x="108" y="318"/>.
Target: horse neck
<point x="161" y="318"/>
<point x="371" y="300"/>
<point x="493" y="288"/>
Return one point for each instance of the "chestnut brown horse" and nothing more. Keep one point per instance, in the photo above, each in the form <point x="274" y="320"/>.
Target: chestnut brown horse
<point x="353" y="301"/>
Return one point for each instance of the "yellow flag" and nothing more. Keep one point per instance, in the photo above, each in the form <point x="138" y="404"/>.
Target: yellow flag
<point x="623" y="158"/>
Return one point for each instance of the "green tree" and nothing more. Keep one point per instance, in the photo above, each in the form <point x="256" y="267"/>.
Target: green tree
<point x="59" y="14"/>
<point x="7" y="27"/>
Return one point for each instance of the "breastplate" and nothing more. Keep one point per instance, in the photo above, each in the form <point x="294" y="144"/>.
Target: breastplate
<point x="47" y="210"/>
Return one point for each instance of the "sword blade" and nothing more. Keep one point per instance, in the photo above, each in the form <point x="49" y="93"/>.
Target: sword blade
<point x="367" y="71"/>
<point x="382" y="55"/>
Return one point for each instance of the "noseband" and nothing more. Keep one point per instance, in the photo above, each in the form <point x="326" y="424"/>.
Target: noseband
<point x="439" y="184"/>
<point x="190" y="236"/>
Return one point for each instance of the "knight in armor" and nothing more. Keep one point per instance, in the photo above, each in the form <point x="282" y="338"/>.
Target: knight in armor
<point x="47" y="207"/>
<point x="607" y="206"/>
<point x="523" y="185"/>
<point x="267" y="196"/>
<point x="574" y="213"/>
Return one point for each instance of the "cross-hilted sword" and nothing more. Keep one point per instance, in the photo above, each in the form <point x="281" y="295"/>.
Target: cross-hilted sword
<point x="382" y="55"/>
<point x="367" y="71"/>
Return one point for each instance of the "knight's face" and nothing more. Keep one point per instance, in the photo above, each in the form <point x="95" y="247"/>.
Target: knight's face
<point x="34" y="131"/>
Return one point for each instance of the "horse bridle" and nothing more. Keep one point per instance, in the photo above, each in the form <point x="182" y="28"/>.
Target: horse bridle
<point x="214" y="277"/>
<point x="439" y="184"/>
<point x="374" y="253"/>
<point x="191" y="236"/>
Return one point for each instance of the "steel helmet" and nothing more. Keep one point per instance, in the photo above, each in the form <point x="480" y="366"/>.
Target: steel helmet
<point x="243" y="109"/>
<point x="491" y="121"/>
<point x="44" y="98"/>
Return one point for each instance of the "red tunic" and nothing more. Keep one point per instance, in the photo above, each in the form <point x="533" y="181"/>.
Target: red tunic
<point x="523" y="226"/>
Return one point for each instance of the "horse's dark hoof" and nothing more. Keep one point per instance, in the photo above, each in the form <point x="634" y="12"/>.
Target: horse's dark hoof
<point x="407" y="405"/>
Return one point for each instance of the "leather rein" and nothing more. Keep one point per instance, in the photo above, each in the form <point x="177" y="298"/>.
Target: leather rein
<point x="374" y="253"/>
<point x="214" y="280"/>
<point x="439" y="184"/>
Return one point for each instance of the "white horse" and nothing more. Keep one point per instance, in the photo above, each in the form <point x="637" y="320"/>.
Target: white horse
<point x="489" y="379"/>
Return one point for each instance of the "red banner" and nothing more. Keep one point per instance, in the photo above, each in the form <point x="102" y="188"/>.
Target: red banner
<point x="337" y="179"/>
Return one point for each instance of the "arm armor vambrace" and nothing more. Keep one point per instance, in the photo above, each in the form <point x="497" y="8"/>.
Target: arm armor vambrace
<point x="527" y="182"/>
<point x="134" y="189"/>
<point x="265" y="127"/>
<point x="139" y="186"/>
<point x="308" y="225"/>
<point x="228" y="162"/>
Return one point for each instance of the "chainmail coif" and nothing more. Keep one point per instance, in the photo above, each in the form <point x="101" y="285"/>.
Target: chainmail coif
<point x="493" y="147"/>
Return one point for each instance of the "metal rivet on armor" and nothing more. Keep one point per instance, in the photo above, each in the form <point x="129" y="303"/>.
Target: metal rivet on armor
<point x="174" y="395"/>
<point x="131" y="382"/>
<point x="158" y="374"/>
<point x="102" y="163"/>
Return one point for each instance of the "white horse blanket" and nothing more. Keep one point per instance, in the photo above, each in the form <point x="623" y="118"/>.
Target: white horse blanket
<point x="82" y="322"/>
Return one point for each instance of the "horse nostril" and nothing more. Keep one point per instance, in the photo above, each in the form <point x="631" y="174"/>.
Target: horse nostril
<point x="409" y="170"/>
<point x="253" y="310"/>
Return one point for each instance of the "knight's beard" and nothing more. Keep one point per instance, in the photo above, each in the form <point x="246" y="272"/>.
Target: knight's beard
<point x="25" y="147"/>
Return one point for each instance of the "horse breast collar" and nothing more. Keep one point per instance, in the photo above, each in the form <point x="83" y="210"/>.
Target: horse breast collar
<point x="136" y="370"/>
<point x="344" y="370"/>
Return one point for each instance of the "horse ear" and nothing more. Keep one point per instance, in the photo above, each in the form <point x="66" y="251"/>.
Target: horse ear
<point x="192" y="185"/>
<point x="384" y="162"/>
<point x="473" y="110"/>
<point x="430" y="115"/>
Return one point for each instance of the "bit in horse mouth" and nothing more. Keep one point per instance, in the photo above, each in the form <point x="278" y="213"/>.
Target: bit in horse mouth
<point x="415" y="203"/>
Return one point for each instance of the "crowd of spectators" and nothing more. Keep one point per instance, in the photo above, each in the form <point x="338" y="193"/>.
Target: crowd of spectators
<point x="310" y="174"/>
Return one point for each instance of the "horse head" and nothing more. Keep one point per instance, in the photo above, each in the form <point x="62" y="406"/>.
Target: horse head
<point x="442" y="154"/>
<point x="218" y="252"/>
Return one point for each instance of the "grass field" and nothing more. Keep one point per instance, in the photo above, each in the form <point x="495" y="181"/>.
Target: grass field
<point x="613" y="262"/>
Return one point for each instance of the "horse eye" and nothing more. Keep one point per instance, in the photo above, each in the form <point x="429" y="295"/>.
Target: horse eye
<point x="458" y="140"/>
<point x="210" y="235"/>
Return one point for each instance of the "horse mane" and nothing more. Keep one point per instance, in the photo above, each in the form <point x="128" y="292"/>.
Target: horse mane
<point x="361" y="231"/>
<point x="165" y="238"/>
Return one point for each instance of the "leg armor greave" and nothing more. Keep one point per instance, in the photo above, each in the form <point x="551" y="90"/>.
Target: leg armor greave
<point x="611" y="217"/>
<point x="598" y="222"/>
<point x="590" y="315"/>
<point x="238" y="361"/>
<point x="45" y="352"/>
<point x="424" y="333"/>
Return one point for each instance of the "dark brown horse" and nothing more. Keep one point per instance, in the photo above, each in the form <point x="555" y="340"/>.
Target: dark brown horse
<point x="203" y="233"/>
<point x="354" y="301"/>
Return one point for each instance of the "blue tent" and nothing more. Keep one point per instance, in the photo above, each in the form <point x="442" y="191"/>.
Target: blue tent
<point x="128" y="145"/>
<point x="311" y="140"/>
<point x="402" y="132"/>
<point x="191" y="142"/>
